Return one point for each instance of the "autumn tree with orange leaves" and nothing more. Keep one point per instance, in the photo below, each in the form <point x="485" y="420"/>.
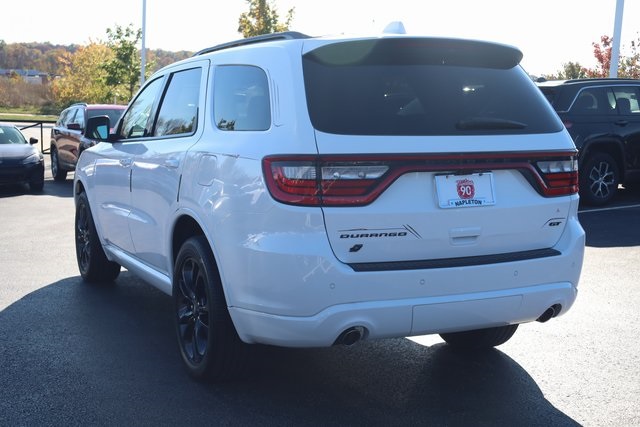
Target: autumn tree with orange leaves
<point x="628" y="66"/>
<point x="602" y="53"/>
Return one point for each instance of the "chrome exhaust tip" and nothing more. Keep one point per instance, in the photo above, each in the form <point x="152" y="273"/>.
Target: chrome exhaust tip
<point x="549" y="313"/>
<point x="350" y="336"/>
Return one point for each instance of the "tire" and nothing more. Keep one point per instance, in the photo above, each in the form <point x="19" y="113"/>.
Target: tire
<point x="93" y="264"/>
<point x="209" y="344"/>
<point x="599" y="179"/>
<point x="57" y="172"/>
<point x="480" y="338"/>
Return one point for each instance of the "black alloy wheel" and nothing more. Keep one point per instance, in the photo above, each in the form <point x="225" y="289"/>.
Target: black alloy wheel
<point x="209" y="345"/>
<point x="93" y="264"/>
<point x="599" y="179"/>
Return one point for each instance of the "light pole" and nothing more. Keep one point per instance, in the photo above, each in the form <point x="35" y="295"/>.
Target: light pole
<point x="617" y="33"/>
<point x="143" y="55"/>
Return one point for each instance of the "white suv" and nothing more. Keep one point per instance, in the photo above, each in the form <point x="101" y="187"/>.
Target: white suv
<point x="301" y="191"/>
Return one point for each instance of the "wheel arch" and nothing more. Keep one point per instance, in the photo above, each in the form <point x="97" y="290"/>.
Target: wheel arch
<point x="78" y="188"/>
<point x="185" y="227"/>
<point x="612" y="147"/>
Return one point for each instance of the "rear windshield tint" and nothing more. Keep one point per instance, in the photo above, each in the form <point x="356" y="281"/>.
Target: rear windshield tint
<point x="422" y="87"/>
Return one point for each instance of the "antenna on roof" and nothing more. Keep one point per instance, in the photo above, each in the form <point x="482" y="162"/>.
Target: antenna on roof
<point x="395" y="27"/>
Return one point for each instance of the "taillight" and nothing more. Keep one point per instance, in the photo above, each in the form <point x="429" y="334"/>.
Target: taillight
<point x="300" y="181"/>
<point x="560" y="176"/>
<point x="357" y="180"/>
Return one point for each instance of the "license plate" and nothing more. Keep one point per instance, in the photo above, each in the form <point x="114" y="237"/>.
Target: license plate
<point x="465" y="191"/>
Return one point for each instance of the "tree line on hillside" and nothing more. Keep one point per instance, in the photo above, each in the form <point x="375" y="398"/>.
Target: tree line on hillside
<point x="44" y="57"/>
<point x="92" y="73"/>
<point x="102" y="72"/>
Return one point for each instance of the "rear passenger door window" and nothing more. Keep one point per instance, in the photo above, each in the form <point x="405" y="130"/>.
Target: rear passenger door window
<point x="593" y="101"/>
<point x="241" y="98"/>
<point x="179" y="108"/>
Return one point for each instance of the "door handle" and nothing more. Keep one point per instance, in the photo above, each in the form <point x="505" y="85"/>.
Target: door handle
<point x="622" y="122"/>
<point x="126" y="162"/>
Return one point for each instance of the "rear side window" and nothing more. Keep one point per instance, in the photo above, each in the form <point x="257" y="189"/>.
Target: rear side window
<point x="549" y="93"/>
<point x="241" y="98"/>
<point x="626" y="100"/>
<point x="422" y="87"/>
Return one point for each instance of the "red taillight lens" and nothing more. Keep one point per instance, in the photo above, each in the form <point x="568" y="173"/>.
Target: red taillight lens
<point x="314" y="183"/>
<point x="293" y="182"/>
<point x="560" y="176"/>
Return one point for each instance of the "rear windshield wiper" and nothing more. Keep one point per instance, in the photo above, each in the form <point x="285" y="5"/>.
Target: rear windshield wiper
<point x="487" y="123"/>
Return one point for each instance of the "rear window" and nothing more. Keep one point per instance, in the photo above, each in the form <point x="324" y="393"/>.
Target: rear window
<point x="113" y="113"/>
<point x="422" y="87"/>
<point x="549" y="93"/>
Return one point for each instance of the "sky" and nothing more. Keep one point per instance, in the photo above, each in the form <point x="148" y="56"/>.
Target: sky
<point x="550" y="33"/>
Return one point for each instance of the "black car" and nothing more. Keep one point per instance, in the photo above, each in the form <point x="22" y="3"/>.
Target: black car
<point x="603" y="118"/>
<point x="20" y="161"/>
<point x="68" y="136"/>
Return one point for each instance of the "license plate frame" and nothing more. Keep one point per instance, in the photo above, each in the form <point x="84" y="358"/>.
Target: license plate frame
<point x="465" y="191"/>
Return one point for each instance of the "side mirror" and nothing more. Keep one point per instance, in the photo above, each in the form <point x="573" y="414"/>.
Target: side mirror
<point x="98" y="128"/>
<point x="33" y="141"/>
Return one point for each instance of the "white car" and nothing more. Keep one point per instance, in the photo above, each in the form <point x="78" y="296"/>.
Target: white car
<point x="311" y="191"/>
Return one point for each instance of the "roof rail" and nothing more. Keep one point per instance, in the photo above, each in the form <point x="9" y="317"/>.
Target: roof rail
<point x="286" y="35"/>
<point x="602" y="79"/>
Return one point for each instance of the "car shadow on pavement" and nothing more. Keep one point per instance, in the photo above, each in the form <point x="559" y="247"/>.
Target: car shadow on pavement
<point x="610" y="228"/>
<point x="51" y="188"/>
<point x="77" y="354"/>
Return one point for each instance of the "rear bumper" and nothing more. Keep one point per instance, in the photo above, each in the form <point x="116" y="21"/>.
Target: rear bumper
<point x="289" y="289"/>
<point x="399" y="318"/>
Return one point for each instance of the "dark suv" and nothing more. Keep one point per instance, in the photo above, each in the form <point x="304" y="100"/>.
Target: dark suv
<point x="68" y="137"/>
<point x="603" y="118"/>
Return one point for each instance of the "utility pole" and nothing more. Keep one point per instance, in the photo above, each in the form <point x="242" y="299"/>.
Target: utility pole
<point x="617" y="33"/>
<point x="143" y="54"/>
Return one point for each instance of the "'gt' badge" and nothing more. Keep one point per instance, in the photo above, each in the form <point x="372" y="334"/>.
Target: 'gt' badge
<point x="466" y="188"/>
